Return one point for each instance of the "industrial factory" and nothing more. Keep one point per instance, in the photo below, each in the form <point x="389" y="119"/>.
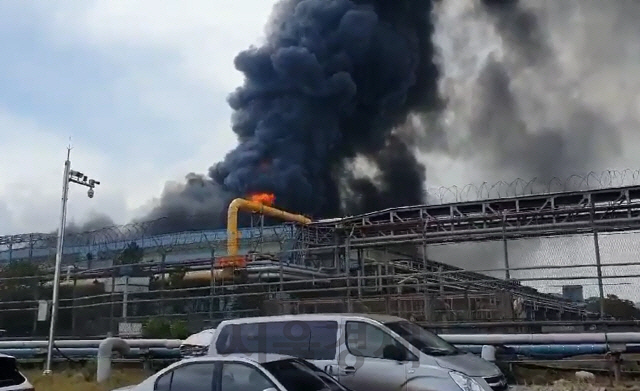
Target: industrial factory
<point x="375" y="262"/>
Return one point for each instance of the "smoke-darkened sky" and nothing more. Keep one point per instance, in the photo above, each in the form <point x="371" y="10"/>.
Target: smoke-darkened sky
<point x="508" y="89"/>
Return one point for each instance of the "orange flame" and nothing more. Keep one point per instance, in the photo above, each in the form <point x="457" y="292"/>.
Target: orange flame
<point x="263" y="198"/>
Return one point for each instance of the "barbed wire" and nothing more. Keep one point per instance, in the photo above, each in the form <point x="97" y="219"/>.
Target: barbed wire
<point x="521" y="187"/>
<point x="119" y="235"/>
<point x="112" y="234"/>
<point x="104" y="242"/>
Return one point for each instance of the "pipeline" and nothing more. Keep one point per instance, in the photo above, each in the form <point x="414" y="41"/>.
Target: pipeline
<point x="105" y="349"/>
<point x="253" y="206"/>
<point x="542" y="339"/>
<point x="90" y="343"/>
<point x="550" y="351"/>
<point x="258" y="270"/>
<point x="92" y="353"/>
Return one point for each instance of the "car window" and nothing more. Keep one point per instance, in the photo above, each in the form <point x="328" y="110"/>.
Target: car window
<point x="9" y="374"/>
<point x="424" y="340"/>
<point x="299" y="375"/>
<point x="243" y="377"/>
<point x="367" y="340"/>
<point x="305" y="339"/>
<point x="163" y="383"/>
<point x="195" y="376"/>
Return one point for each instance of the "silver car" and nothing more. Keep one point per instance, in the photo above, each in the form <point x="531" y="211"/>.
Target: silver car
<point x="363" y="352"/>
<point x="265" y="372"/>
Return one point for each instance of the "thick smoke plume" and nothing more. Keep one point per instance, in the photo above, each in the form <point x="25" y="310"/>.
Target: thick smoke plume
<point x="339" y="80"/>
<point x="538" y="149"/>
<point x="524" y="101"/>
<point x="332" y="82"/>
<point x="518" y="100"/>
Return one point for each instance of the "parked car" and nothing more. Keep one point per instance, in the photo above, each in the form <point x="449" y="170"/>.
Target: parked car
<point x="268" y="372"/>
<point x="363" y="352"/>
<point x="11" y="379"/>
<point x="197" y="344"/>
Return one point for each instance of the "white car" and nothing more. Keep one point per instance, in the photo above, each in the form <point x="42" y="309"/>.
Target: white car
<point x="10" y="377"/>
<point x="237" y="372"/>
<point x="197" y="344"/>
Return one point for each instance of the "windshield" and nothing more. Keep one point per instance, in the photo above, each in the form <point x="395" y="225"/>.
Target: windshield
<point x="299" y="375"/>
<point x="9" y="374"/>
<point x="426" y="341"/>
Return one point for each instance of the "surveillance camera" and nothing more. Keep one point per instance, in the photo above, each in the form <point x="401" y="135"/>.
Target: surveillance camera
<point x="90" y="193"/>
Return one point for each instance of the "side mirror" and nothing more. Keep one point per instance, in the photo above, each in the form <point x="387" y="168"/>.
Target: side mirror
<point x="393" y="352"/>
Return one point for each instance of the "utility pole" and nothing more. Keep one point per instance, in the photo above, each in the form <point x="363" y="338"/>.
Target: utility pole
<point x="68" y="177"/>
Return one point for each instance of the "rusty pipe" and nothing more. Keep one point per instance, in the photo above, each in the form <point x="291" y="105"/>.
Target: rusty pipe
<point x="252" y="206"/>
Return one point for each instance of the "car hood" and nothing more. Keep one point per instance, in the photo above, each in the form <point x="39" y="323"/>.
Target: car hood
<point x="127" y="388"/>
<point x="468" y="364"/>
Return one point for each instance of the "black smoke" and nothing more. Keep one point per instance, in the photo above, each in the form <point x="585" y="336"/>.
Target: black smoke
<point x="94" y="223"/>
<point x="543" y="153"/>
<point x="498" y="124"/>
<point x="520" y="29"/>
<point x="331" y="83"/>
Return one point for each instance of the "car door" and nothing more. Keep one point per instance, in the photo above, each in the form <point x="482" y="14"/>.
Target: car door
<point x="241" y="376"/>
<point x="192" y="376"/>
<point x="366" y="364"/>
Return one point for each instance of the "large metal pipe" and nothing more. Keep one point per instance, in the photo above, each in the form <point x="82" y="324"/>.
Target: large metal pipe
<point x="253" y="206"/>
<point x="79" y="343"/>
<point x="541" y="339"/>
<point x="105" y="349"/>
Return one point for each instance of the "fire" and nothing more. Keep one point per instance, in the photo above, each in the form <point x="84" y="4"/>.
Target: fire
<point x="263" y="198"/>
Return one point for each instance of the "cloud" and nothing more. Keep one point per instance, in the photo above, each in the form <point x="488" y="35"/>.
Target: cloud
<point x="31" y="170"/>
<point x="202" y="36"/>
<point x="140" y="86"/>
<point x="571" y="86"/>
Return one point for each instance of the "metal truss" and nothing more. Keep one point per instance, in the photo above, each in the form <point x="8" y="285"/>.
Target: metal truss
<point x="604" y="210"/>
<point x="456" y="279"/>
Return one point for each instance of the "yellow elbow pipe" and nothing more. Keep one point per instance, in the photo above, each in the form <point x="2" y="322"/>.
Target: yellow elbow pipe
<point x="252" y="206"/>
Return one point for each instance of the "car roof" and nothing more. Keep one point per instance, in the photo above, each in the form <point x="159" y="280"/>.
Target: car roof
<point x="260" y="358"/>
<point x="309" y="317"/>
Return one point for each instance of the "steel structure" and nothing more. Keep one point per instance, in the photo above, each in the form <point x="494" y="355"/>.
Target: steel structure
<point x="378" y="258"/>
<point x="604" y="210"/>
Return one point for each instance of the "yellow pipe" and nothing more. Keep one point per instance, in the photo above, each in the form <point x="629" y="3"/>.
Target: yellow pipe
<point x="241" y="203"/>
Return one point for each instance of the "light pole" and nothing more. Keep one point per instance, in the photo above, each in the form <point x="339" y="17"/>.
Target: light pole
<point x="81" y="179"/>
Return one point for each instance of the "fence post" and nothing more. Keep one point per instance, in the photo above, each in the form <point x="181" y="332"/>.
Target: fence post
<point x="73" y="306"/>
<point x="505" y="245"/>
<point x="163" y="283"/>
<point x="361" y="273"/>
<point x="425" y="260"/>
<point x="347" y="271"/>
<point x="598" y="264"/>
<point x="112" y="300"/>
<point x="212" y="283"/>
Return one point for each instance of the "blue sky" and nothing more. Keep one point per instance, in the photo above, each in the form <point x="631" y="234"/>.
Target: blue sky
<point x="140" y="87"/>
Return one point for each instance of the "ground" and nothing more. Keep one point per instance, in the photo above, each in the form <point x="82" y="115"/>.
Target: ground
<point x="82" y="380"/>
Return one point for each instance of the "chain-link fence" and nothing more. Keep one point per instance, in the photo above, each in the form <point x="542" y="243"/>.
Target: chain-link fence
<point x="537" y="284"/>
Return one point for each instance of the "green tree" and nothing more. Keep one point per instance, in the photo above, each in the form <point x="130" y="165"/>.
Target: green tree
<point x="131" y="255"/>
<point x="176" y="276"/>
<point x="14" y="275"/>
<point x="19" y="281"/>
<point x="164" y="328"/>
<point x="614" y="306"/>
